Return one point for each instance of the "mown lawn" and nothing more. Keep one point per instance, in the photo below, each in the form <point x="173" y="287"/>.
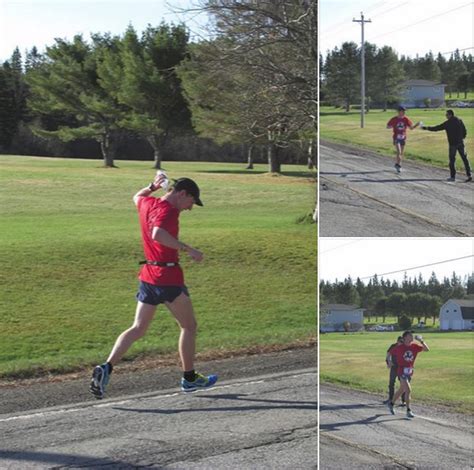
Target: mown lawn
<point x="432" y="147"/>
<point x="70" y="247"/>
<point x="443" y="375"/>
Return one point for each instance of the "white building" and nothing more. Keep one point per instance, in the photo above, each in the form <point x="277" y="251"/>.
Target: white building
<point x="457" y="315"/>
<point x="420" y="93"/>
<point x="333" y="316"/>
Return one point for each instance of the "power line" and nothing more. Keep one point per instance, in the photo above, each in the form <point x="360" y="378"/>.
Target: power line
<point x="422" y="21"/>
<point x="458" y="50"/>
<point x="416" y="267"/>
<point x="343" y="23"/>
<point x="340" y="246"/>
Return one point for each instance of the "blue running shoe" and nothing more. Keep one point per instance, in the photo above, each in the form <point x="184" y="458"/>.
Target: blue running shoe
<point x="200" y="383"/>
<point x="100" y="379"/>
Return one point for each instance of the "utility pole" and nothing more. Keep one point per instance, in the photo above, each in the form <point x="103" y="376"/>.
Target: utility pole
<point x="362" y="64"/>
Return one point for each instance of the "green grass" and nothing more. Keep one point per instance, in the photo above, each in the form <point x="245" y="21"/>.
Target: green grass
<point x="443" y="375"/>
<point x="460" y="97"/>
<point x="432" y="147"/>
<point x="70" y="244"/>
<point x="391" y="320"/>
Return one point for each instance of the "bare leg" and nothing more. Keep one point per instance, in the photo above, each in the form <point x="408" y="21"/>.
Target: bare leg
<point x="401" y="150"/>
<point x="397" y="154"/>
<point x="143" y="317"/>
<point x="404" y="388"/>
<point x="182" y="310"/>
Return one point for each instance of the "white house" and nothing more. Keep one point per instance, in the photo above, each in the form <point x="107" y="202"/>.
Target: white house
<point x="420" y="93"/>
<point x="333" y="316"/>
<point x="457" y="315"/>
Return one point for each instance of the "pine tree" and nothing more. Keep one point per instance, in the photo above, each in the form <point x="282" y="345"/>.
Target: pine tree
<point x="67" y="82"/>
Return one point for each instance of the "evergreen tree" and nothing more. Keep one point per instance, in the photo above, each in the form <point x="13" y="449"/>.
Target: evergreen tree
<point x="427" y="68"/>
<point x="388" y="77"/>
<point x="68" y="82"/>
<point x="8" y="121"/>
<point x="456" y="68"/>
<point x="343" y="74"/>
<point x="142" y="77"/>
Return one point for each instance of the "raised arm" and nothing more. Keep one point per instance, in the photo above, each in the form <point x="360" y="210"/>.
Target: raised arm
<point x="151" y="188"/>
<point x="423" y="344"/>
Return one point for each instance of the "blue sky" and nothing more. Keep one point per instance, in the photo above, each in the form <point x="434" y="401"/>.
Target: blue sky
<point x="340" y="257"/>
<point x="25" y="23"/>
<point x="441" y="26"/>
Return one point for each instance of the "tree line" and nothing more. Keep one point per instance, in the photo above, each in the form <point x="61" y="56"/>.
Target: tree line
<point x="413" y="297"/>
<point x="251" y="88"/>
<point x="386" y="72"/>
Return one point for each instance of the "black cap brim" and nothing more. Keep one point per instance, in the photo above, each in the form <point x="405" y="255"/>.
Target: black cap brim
<point x="198" y="202"/>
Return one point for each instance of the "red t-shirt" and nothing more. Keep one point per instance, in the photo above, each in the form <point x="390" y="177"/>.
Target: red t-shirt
<point x="400" y="126"/>
<point x="155" y="212"/>
<point x="406" y="356"/>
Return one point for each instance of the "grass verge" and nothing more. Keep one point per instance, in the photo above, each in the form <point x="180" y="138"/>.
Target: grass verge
<point x="70" y="244"/>
<point x="430" y="147"/>
<point x="444" y="375"/>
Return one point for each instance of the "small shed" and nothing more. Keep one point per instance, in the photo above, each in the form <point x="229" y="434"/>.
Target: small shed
<point x="457" y="314"/>
<point x="334" y="316"/>
<point x="422" y="94"/>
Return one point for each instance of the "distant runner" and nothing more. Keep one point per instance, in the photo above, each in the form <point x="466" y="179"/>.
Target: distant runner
<point x="405" y="355"/>
<point x="161" y="280"/>
<point x="456" y="133"/>
<point x="400" y="124"/>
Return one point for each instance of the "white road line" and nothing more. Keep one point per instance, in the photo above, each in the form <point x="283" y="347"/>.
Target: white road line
<point x="46" y="413"/>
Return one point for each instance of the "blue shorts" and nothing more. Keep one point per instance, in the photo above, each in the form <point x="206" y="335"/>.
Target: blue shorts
<point x="396" y="141"/>
<point x="155" y="295"/>
<point x="405" y="377"/>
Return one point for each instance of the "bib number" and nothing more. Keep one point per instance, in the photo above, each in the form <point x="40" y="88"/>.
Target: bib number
<point x="408" y="371"/>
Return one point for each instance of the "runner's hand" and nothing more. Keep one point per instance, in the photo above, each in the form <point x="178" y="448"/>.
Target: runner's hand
<point x="196" y="255"/>
<point x="418" y="337"/>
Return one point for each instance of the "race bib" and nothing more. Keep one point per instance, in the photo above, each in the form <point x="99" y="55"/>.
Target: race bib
<point x="408" y="371"/>
<point x="401" y="136"/>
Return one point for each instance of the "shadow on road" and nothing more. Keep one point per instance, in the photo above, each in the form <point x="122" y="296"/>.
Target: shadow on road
<point x="354" y="406"/>
<point x="273" y="404"/>
<point x="370" y="420"/>
<point x="345" y="173"/>
<point x="398" y="180"/>
<point x="49" y="458"/>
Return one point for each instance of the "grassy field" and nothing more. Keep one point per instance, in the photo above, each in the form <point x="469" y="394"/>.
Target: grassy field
<point x="432" y="147"/>
<point x="443" y="375"/>
<point x="70" y="247"/>
<point x="389" y="320"/>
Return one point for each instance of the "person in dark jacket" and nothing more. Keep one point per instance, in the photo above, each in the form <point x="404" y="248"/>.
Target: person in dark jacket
<point x="456" y="133"/>
<point x="392" y="365"/>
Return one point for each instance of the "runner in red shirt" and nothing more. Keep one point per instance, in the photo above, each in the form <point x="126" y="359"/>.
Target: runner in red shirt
<point x="161" y="280"/>
<point x="400" y="124"/>
<point x="405" y="355"/>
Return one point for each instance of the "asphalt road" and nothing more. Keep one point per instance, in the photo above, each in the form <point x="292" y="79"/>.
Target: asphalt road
<point x="257" y="421"/>
<point x="358" y="432"/>
<point x="361" y="195"/>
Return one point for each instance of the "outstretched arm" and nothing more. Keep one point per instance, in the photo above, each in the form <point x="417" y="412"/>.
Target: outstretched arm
<point x="440" y="127"/>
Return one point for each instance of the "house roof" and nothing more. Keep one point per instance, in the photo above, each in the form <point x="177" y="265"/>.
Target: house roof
<point x="340" y="307"/>
<point x="464" y="302"/>
<point x="422" y="83"/>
